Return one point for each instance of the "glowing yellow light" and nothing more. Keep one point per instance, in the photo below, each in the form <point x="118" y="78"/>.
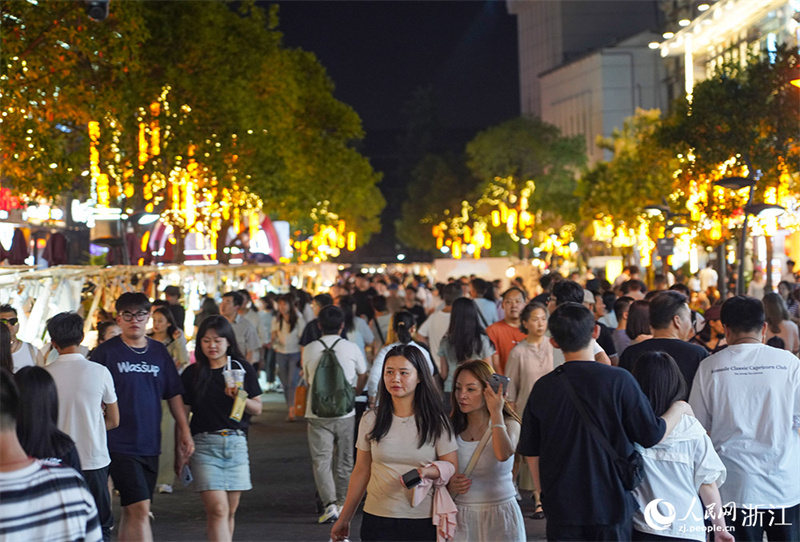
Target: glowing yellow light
<point x="457" y="249"/>
<point x="351" y="241"/>
<point x="145" y="240"/>
<point x="496" y="218"/>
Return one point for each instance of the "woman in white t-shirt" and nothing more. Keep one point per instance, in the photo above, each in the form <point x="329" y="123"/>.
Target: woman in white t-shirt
<point x="678" y="468"/>
<point x="487" y="507"/>
<point x="409" y="430"/>
<point x="287" y="327"/>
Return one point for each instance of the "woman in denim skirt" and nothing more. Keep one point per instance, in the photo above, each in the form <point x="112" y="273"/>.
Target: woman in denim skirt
<point x="220" y="464"/>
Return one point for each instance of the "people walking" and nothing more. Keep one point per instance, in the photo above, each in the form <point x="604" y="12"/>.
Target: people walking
<point x="88" y="408"/>
<point x="409" y="431"/>
<point x="558" y="442"/>
<point x="220" y="465"/>
<point x="331" y="430"/>
<point x="466" y="339"/>
<point x="287" y="327"/>
<point x="679" y="467"/>
<point x="144" y="374"/>
<point x="24" y="354"/>
<point x="487" y="507"/>
<point x="505" y="334"/>
<point x="747" y="397"/>
<point x="38" y="501"/>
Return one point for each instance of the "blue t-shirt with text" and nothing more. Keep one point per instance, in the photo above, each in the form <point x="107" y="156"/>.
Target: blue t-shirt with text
<point x="141" y="381"/>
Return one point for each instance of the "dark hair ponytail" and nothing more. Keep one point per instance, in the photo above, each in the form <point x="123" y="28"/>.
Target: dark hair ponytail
<point x="37" y="418"/>
<point x="403" y="322"/>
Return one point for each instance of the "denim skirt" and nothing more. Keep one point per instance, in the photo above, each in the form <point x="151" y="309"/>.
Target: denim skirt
<point x="220" y="463"/>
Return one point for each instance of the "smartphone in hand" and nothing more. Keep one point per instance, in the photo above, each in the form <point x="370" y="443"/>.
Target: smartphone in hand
<point x="496" y="379"/>
<point x="411" y="479"/>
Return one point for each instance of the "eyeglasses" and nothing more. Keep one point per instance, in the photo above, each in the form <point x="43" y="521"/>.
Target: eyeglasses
<point x="140" y="316"/>
<point x="9" y="321"/>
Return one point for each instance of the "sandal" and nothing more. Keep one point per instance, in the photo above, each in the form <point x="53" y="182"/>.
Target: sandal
<point x="538" y="513"/>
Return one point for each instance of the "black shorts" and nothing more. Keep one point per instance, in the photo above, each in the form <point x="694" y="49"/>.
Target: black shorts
<point x="134" y="477"/>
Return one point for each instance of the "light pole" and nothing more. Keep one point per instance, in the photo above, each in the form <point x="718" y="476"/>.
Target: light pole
<point x="737" y="183"/>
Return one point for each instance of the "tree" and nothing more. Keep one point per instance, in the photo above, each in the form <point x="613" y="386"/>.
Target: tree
<point x="639" y="173"/>
<point x="529" y="149"/>
<point x="745" y="116"/>
<point x="249" y="116"/>
<point x="59" y="70"/>
<point x="436" y="189"/>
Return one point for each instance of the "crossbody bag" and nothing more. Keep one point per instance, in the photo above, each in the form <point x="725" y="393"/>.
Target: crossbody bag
<point x="630" y="470"/>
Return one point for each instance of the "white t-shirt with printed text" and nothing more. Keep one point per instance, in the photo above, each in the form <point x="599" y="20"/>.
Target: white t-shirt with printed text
<point x="748" y="398"/>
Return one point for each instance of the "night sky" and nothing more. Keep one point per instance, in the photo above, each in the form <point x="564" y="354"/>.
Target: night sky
<point x="379" y="52"/>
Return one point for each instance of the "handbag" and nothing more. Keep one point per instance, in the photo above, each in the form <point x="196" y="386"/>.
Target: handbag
<point x="630" y="470"/>
<point x="476" y="454"/>
<point x="300" y="394"/>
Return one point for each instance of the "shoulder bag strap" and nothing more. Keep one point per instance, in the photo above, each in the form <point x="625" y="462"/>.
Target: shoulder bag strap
<point x="477" y="453"/>
<point x="593" y="429"/>
<point x="378" y="329"/>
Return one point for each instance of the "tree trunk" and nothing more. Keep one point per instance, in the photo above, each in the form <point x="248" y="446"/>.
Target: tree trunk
<point x="180" y="245"/>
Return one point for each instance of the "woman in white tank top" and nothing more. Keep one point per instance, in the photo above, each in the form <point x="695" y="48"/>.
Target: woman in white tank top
<point x="487" y="507"/>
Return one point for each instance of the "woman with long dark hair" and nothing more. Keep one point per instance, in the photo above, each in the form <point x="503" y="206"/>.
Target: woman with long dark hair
<point x="486" y="499"/>
<point x="779" y="323"/>
<point x="409" y="430"/>
<point x="37" y="420"/>
<point x="404" y="325"/>
<point x="679" y="467"/>
<point x="287" y="328"/>
<point x="466" y="339"/>
<point x="166" y="331"/>
<point x="220" y="464"/>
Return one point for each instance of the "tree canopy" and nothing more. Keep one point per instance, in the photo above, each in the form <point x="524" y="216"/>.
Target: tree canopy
<point x="252" y="112"/>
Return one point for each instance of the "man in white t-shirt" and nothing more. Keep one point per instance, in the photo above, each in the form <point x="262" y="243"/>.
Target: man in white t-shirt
<point x="747" y="396"/>
<point x="435" y="326"/>
<point x="708" y="277"/>
<point x="84" y="387"/>
<point x="331" y="440"/>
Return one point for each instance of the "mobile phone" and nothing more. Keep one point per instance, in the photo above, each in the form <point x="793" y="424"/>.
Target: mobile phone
<point x="186" y="475"/>
<point x="411" y="478"/>
<point x="496" y="380"/>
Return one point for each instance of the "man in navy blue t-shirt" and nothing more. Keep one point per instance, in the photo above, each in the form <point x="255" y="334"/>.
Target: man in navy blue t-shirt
<point x="144" y="374"/>
<point x="582" y="496"/>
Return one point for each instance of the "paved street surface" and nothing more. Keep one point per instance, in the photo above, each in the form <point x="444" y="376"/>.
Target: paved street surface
<point x="281" y="504"/>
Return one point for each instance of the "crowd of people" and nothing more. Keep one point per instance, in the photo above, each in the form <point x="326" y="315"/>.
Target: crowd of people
<point x="624" y="413"/>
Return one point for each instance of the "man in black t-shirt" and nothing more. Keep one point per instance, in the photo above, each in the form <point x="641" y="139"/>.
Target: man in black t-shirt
<point x="363" y="296"/>
<point x="582" y="495"/>
<point x="671" y="321"/>
<point x="413" y="306"/>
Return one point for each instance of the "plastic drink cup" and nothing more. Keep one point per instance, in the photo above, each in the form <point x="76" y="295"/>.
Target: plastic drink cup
<point x="230" y="381"/>
<point x="238" y="377"/>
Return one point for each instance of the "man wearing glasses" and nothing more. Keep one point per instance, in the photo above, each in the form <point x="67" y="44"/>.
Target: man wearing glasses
<point x="143" y="374"/>
<point x="22" y="353"/>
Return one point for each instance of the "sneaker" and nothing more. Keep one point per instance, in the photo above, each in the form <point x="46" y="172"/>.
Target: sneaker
<point x="165" y="488"/>
<point x="331" y="514"/>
